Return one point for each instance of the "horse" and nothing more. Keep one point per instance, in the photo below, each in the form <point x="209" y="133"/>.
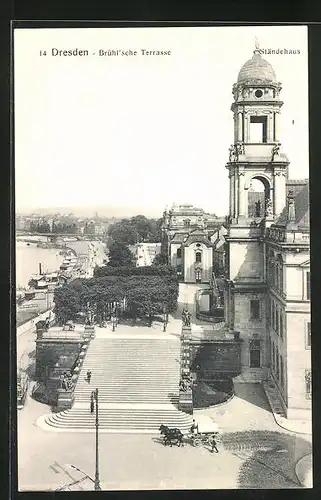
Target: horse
<point x="171" y="435"/>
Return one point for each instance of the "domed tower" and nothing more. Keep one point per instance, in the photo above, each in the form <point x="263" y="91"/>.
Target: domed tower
<point x="256" y="150"/>
<point x="257" y="172"/>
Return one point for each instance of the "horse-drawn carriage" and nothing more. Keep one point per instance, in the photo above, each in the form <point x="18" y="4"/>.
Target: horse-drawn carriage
<point x="204" y="432"/>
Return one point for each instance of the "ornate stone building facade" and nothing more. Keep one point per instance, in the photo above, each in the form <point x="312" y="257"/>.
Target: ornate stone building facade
<point x="267" y="295"/>
<point x="187" y="234"/>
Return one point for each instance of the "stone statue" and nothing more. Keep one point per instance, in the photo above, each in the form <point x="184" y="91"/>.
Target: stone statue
<point x="258" y="208"/>
<point x="232" y="155"/>
<point x="291" y="207"/>
<point x="268" y="207"/>
<point x="308" y="381"/>
<point x="186" y="317"/>
<point x="275" y="151"/>
<point x="240" y="149"/>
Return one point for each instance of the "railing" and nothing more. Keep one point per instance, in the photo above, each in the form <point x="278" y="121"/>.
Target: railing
<point x="65" y="397"/>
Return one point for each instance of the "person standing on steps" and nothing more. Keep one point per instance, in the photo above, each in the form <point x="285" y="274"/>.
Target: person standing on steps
<point x="88" y="376"/>
<point x="92" y="405"/>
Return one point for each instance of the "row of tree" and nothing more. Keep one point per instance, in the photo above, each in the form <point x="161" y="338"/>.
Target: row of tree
<point x="136" y="294"/>
<point x="135" y="230"/>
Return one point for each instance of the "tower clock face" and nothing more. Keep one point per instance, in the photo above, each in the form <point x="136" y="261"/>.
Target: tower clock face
<point x="258" y="93"/>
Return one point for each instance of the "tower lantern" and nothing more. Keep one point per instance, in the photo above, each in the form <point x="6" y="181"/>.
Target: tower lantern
<point x="256" y="149"/>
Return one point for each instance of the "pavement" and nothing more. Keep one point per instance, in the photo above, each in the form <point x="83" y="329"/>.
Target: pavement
<point x="253" y="453"/>
<point x="297" y="426"/>
<point x="303" y="471"/>
<point x="254" y="450"/>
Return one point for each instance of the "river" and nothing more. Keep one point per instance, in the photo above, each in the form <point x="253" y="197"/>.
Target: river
<point x="28" y="257"/>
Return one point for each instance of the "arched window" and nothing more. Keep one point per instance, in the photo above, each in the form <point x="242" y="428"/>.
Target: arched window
<point x="198" y="257"/>
<point x="258" y="197"/>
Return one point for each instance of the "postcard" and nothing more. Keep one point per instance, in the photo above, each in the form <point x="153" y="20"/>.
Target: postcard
<point x="162" y="247"/>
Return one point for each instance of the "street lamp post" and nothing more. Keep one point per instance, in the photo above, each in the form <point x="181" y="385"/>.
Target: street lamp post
<point x="164" y="319"/>
<point x="97" y="481"/>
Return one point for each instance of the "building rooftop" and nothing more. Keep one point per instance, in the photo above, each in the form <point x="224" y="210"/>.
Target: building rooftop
<point x="256" y="69"/>
<point x="300" y="190"/>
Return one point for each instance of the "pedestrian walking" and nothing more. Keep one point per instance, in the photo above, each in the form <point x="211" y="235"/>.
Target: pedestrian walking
<point x="92" y="406"/>
<point x="214" y="445"/>
<point x="88" y="376"/>
<point x="194" y="428"/>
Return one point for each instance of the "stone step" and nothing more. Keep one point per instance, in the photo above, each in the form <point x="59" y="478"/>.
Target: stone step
<point x="120" y="419"/>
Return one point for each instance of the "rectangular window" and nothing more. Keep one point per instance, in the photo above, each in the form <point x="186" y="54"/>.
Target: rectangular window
<point x="308" y="335"/>
<point x="277" y="361"/>
<point x="273" y="315"/>
<point x="273" y="357"/>
<point x="281" y="371"/>
<point x="179" y="253"/>
<point x="255" y="359"/>
<point x="277" y="320"/>
<point x="258" y="129"/>
<point x="281" y="325"/>
<point x="198" y="257"/>
<point x="198" y="276"/>
<point x="255" y="309"/>
<point x="308" y="284"/>
<point x="277" y="282"/>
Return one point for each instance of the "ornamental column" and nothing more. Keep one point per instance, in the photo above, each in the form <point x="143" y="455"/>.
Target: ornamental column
<point x="270" y="137"/>
<point x="242" y="194"/>
<point x="276" y="126"/>
<point x="247" y="128"/>
<point x="231" y="194"/>
<point x="239" y="127"/>
<point x="279" y="192"/>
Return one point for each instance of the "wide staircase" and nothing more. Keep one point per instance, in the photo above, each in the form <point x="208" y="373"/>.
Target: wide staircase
<point x="138" y="383"/>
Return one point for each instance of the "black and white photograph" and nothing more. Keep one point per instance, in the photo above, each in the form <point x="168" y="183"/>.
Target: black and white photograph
<point x="162" y="258"/>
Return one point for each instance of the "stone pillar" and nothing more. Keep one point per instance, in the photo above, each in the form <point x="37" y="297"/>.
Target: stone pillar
<point x="270" y="127"/>
<point x="279" y="192"/>
<point x="239" y="127"/>
<point x="247" y="128"/>
<point x="231" y="178"/>
<point x="242" y="195"/>
<point x="236" y="194"/>
<point x="276" y="126"/>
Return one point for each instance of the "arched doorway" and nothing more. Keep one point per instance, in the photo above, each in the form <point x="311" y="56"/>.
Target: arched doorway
<point x="259" y="197"/>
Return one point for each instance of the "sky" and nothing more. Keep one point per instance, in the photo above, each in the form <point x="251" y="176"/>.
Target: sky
<point x="142" y="132"/>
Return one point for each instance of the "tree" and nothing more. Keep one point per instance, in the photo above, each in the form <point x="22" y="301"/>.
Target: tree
<point x="67" y="303"/>
<point x="120" y="255"/>
<point x="123" y="232"/>
<point x="136" y="229"/>
<point x="143" y="296"/>
<point x="161" y="270"/>
<point x="160" y="259"/>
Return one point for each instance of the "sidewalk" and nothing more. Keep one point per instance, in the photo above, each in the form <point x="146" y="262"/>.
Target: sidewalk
<point x="297" y="426"/>
<point x="303" y="471"/>
<point x="173" y="330"/>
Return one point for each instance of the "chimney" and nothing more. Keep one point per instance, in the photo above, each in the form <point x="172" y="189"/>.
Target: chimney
<point x="40" y="270"/>
<point x="291" y="208"/>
